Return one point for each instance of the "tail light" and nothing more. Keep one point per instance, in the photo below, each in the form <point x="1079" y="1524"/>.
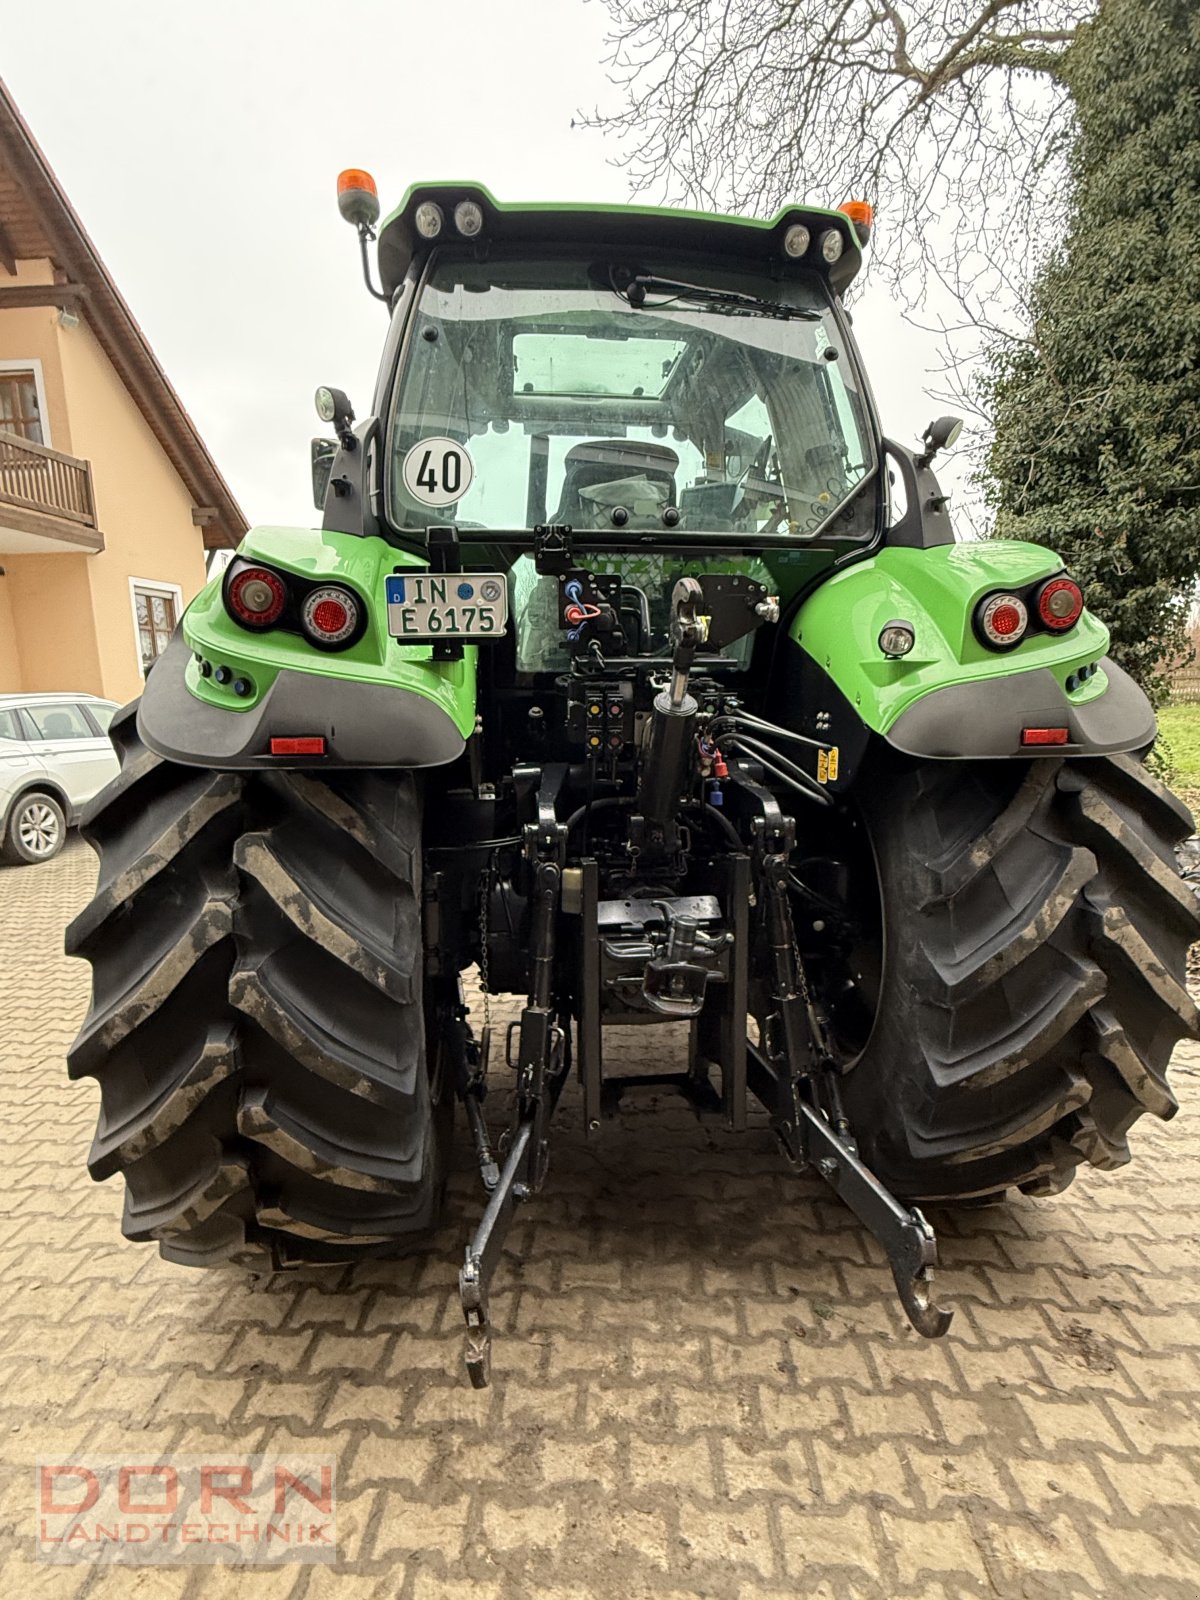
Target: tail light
<point x="1060" y="604"/>
<point x="331" y="615"/>
<point x="1002" y="620"/>
<point x="255" y="597"/>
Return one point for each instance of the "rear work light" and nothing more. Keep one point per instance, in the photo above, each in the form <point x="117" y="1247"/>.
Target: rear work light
<point x="255" y="597"/>
<point x="428" y="218"/>
<point x="1002" y="620"/>
<point x="306" y="745"/>
<point x="330" y="615"/>
<point x="796" y="241"/>
<point x="1060" y="604"/>
<point x="1044" y="736"/>
<point x="468" y="218"/>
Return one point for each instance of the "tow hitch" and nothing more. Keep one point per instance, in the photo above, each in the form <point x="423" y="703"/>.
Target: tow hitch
<point x="795" y="1078"/>
<point x="903" y="1231"/>
<point x="808" y="1140"/>
<point x="791" y="1070"/>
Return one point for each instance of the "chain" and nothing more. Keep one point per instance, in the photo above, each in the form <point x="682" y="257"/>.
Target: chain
<point x="797" y="960"/>
<point x="485" y="897"/>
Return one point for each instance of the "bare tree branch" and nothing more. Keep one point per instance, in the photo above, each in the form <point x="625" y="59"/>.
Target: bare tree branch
<point x="952" y="116"/>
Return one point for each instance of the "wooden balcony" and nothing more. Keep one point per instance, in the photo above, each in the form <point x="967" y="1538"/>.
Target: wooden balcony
<point x="46" y="499"/>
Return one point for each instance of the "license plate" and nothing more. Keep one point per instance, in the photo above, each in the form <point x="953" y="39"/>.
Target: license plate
<point x="447" y="605"/>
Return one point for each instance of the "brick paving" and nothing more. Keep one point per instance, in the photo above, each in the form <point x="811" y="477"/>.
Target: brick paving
<point x="703" y="1385"/>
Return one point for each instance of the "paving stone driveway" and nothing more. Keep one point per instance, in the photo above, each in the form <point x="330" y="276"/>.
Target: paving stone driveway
<point x="703" y="1385"/>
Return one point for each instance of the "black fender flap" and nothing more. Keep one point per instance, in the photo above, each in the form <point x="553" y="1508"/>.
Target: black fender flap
<point x="986" y="719"/>
<point x="364" y="725"/>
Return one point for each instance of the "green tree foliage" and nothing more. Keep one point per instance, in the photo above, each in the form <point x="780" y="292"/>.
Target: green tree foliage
<point x="1097" y="445"/>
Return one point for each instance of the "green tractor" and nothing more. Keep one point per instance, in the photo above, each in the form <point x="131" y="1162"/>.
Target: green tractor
<point x="632" y="666"/>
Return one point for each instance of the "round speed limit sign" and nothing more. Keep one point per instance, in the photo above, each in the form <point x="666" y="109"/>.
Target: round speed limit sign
<point x="437" y="472"/>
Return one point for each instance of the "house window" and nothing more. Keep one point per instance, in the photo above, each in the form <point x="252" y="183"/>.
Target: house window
<point x="157" y="612"/>
<point x="20" y="412"/>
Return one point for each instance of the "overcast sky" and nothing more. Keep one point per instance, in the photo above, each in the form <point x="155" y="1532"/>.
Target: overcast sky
<point x="200" y="144"/>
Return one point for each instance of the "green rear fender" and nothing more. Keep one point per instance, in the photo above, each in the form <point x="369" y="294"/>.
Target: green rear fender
<point x="951" y="696"/>
<point x="220" y="694"/>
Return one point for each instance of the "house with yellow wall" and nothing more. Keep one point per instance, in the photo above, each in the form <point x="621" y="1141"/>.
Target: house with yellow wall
<point x="109" y="500"/>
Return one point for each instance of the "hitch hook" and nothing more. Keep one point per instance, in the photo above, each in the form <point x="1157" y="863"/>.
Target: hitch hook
<point x="913" y="1257"/>
<point x="903" y="1231"/>
<point x="477" y="1354"/>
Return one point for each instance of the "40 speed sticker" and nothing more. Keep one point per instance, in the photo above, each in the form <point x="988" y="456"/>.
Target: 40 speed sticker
<point x="437" y="472"/>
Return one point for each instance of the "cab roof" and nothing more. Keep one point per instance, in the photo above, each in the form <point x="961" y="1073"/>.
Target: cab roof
<point x="538" y="223"/>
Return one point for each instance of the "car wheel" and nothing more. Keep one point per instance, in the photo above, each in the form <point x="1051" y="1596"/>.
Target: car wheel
<point x="37" y="829"/>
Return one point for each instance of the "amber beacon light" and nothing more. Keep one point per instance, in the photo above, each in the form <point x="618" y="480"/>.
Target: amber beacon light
<point x="358" y="198"/>
<point x="862" y="215"/>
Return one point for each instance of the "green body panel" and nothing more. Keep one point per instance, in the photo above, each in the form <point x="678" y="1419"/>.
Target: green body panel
<point x="936" y="592"/>
<point x="377" y="658"/>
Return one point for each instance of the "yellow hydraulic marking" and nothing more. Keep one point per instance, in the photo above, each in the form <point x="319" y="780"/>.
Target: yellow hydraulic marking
<point x="833" y="764"/>
<point x="822" y="767"/>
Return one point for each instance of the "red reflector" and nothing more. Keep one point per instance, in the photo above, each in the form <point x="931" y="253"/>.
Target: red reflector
<point x="308" y="746"/>
<point x="1044" y="736"/>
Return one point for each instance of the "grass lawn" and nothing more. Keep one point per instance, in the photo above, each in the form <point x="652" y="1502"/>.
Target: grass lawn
<point x="1179" y="745"/>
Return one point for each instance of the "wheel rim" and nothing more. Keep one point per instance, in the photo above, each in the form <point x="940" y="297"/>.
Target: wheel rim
<point x="38" y="829"/>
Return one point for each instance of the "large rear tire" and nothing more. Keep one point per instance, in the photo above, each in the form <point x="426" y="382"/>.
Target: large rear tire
<point x="257" y="1024"/>
<point x="1034" y="957"/>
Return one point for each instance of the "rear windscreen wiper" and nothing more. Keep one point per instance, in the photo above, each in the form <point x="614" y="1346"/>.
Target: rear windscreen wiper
<point x="725" y="302"/>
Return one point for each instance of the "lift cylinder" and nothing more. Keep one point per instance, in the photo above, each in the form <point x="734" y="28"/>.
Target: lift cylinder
<point x="667" y="772"/>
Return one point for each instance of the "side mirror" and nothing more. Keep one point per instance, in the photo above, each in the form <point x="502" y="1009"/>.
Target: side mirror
<point x="323" y="452"/>
<point x="939" y="435"/>
<point x="333" y="406"/>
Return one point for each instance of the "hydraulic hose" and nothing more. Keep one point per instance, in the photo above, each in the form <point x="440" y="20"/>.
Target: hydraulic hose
<point x="782" y="768"/>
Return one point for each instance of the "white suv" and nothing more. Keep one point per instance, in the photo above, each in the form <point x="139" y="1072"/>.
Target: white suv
<point x="54" y="756"/>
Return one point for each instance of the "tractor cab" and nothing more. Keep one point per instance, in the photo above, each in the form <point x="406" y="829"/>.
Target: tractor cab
<point x="624" y="389"/>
